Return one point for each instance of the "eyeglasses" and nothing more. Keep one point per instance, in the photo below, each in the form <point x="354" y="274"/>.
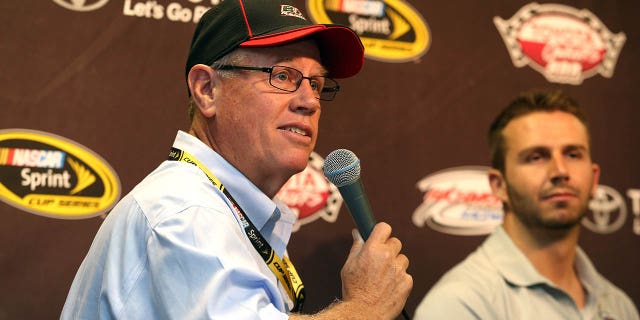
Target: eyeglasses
<point x="289" y="79"/>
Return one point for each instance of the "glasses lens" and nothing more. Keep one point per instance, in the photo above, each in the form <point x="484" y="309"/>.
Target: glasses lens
<point x="289" y="79"/>
<point x="285" y="78"/>
<point x="329" y="90"/>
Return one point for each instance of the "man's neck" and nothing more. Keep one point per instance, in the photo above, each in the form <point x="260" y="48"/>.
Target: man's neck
<point x="269" y="185"/>
<point x="551" y="252"/>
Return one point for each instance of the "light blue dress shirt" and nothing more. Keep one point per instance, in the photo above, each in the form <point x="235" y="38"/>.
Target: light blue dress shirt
<point x="173" y="249"/>
<point x="498" y="282"/>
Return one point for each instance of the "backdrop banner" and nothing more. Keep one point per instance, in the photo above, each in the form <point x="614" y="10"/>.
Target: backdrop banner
<point x="92" y="94"/>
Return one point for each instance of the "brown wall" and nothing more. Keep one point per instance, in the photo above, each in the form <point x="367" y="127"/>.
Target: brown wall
<point x="114" y="83"/>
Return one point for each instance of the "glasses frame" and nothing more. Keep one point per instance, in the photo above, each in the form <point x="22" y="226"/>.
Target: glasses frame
<point x="329" y="92"/>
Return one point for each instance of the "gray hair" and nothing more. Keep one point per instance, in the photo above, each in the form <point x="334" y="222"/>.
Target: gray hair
<point x="231" y="58"/>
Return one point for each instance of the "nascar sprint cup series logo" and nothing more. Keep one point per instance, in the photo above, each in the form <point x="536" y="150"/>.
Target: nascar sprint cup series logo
<point x="565" y="44"/>
<point x="52" y="176"/>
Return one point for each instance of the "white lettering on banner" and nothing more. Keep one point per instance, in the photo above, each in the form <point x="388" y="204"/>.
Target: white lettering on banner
<point x="363" y="7"/>
<point x="173" y="11"/>
<point x="563" y="70"/>
<point x="149" y="9"/>
<point x="634" y="195"/>
<point x="45" y="179"/>
<point x="37" y="158"/>
<point x="372" y="25"/>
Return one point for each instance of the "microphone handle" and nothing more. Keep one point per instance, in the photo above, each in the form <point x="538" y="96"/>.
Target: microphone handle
<point x="358" y="204"/>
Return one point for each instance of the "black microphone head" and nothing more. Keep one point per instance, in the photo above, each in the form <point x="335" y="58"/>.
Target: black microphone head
<point x="342" y="167"/>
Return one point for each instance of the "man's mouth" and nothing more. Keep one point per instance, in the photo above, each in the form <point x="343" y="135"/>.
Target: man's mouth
<point x="296" y="130"/>
<point x="560" y="195"/>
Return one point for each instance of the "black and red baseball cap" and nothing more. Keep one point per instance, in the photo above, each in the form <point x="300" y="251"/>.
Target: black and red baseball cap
<point x="266" y="23"/>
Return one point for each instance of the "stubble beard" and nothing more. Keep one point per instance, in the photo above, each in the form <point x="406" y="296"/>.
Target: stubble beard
<point x="532" y="215"/>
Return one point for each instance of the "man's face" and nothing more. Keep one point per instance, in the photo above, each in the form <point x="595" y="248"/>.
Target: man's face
<point x="265" y="132"/>
<point x="549" y="177"/>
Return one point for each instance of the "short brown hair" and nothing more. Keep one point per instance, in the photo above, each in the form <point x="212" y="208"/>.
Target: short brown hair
<point x="528" y="102"/>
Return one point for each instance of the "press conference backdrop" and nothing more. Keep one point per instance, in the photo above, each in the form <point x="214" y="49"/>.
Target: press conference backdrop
<point x="94" y="91"/>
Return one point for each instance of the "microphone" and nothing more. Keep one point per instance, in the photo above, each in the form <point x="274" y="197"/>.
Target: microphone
<point x="342" y="168"/>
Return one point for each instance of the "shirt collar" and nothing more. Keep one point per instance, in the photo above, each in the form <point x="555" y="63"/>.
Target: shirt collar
<point x="281" y="231"/>
<point x="514" y="266"/>
<point x="589" y="277"/>
<point x="511" y="263"/>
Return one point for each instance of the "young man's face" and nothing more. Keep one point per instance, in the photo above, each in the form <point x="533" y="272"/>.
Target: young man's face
<point x="549" y="176"/>
<point x="263" y="131"/>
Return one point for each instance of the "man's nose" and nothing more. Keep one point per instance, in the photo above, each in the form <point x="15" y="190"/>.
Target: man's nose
<point x="558" y="170"/>
<point x="309" y="101"/>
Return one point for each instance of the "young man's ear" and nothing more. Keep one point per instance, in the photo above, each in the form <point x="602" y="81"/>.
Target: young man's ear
<point x="498" y="185"/>
<point x="201" y="83"/>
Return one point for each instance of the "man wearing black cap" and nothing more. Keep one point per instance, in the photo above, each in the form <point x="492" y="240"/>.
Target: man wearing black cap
<point x="203" y="236"/>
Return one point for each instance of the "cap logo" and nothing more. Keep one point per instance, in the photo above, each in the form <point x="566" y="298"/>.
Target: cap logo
<point x="291" y="11"/>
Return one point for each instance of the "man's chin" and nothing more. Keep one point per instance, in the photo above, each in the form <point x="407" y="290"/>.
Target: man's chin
<point x="561" y="225"/>
<point x="297" y="166"/>
<point x="562" y="221"/>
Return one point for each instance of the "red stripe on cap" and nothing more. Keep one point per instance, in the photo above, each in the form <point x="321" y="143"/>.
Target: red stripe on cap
<point x="246" y="20"/>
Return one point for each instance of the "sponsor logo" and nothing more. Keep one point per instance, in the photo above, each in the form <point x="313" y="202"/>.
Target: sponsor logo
<point x="81" y="5"/>
<point x="52" y="176"/>
<point x="310" y="195"/>
<point x="458" y="201"/>
<point x="243" y="220"/>
<point x="608" y="211"/>
<point x="566" y="45"/>
<point x="390" y="30"/>
<point x="177" y="11"/>
<point x="291" y="11"/>
<point x="173" y="11"/>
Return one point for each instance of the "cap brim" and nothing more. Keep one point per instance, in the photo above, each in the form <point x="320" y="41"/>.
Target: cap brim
<point x="340" y="48"/>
